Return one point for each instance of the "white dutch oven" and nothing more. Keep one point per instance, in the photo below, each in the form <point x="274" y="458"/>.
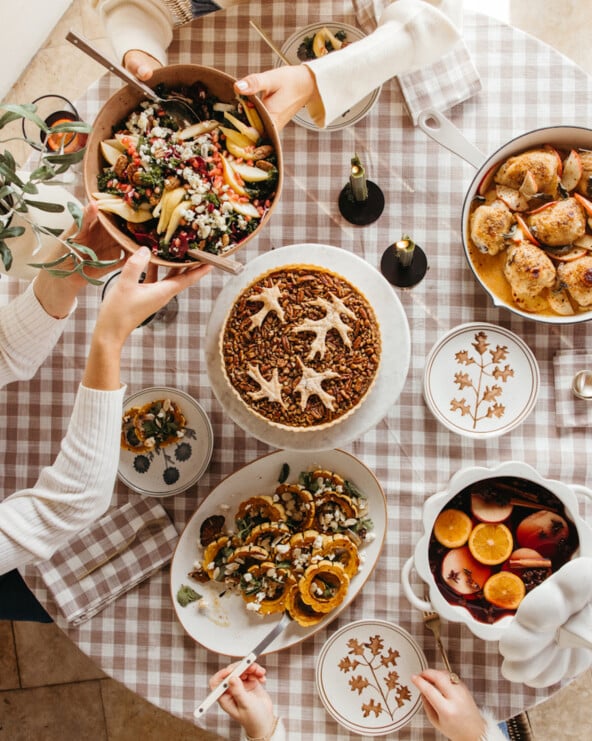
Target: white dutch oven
<point x="441" y="130"/>
<point x="433" y="506"/>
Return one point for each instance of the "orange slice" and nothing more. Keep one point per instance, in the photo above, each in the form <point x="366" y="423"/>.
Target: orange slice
<point x="491" y="543"/>
<point x="452" y="528"/>
<point x="505" y="590"/>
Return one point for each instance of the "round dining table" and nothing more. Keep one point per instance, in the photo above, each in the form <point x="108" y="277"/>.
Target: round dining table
<point x="138" y="639"/>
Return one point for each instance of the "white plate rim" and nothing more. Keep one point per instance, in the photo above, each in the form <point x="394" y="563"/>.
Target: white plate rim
<point x="250" y="629"/>
<point x="367" y="103"/>
<point x="181" y="397"/>
<point x="382" y="625"/>
<point x="530" y="399"/>
<point x="394" y="330"/>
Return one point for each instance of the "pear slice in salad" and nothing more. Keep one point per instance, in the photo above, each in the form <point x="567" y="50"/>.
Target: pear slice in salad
<point x="165" y="207"/>
<point x="249" y="173"/>
<point x="249" y="131"/>
<point x="236" y="137"/>
<point x="111" y="150"/>
<point x="246" y="209"/>
<point x="119" y="207"/>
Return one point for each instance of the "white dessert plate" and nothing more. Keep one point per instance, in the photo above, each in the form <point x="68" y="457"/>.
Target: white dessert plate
<point x="481" y="380"/>
<point x="394" y="363"/>
<point x="175" y="467"/>
<point x="364" y="675"/>
<point x="354" y="114"/>
<point x="225" y="626"/>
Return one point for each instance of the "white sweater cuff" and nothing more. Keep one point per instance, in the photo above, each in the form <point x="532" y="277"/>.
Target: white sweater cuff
<point x="137" y="24"/>
<point x="411" y="34"/>
<point x="492" y="731"/>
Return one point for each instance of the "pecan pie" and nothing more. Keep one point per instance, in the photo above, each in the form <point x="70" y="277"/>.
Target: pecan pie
<point x="301" y="347"/>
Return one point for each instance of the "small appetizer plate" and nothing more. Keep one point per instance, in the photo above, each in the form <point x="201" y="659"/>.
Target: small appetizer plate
<point x="363" y="677"/>
<point x="174" y="467"/>
<point x="358" y="111"/>
<point x="481" y="380"/>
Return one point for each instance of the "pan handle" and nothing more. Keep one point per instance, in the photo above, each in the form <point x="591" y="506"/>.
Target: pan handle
<point x="442" y="131"/>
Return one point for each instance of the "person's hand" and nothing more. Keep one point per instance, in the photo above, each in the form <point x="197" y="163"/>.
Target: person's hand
<point x="57" y="294"/>
<point x="132" y="299"/>
<point x="283" y="91"/>
<point x="140" y="64"/>
<point x="127" y="304"/>
<point x="450" y="707"/>
<point x="246" y="700"/>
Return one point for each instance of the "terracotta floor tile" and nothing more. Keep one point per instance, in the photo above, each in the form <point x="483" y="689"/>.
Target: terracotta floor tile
<point x="67" y="712"/>
<point x="124" y="709"/>
<point x="9" y="676"/>
<point x="47" y="656"/>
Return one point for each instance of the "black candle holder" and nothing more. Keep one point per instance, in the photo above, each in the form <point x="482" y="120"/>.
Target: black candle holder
<point x="364" y="212"/>
<point x="403" y="276"/>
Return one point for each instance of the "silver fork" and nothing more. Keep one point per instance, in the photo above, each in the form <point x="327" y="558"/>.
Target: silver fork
<point x="431" y="620"/>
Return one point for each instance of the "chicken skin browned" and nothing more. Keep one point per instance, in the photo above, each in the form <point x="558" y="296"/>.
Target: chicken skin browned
<point x="489" y="225"/>
<point x="542" y="164"/>
<point x="577" y="278"/>
<point x="529" y="271"/>
<point x="558" y="223"/>
<point x="585" y="181"/>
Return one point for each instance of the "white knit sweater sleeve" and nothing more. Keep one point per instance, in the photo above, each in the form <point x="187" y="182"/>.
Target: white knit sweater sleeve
<point x="27" y="336"/>
<point x="74" y="491"/>
<point x="137" y="24"/>
<point x="411" y="34"/>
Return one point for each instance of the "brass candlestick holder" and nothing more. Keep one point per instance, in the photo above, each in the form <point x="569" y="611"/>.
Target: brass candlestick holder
<point x="361" y="201"/>
<point x="404" y="263"/>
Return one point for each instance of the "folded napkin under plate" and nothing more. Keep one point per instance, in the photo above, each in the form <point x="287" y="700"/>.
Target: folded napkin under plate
<point x="80" y="598"/>
<point x="439" y="86"/>
<point x="569" y="410"/>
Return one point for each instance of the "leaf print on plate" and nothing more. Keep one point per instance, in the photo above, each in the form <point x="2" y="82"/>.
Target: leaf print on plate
<point x="364" y="677"/>
<point x="480" y="380"/>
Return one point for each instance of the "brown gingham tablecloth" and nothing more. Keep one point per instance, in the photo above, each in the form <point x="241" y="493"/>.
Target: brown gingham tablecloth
<point x="526" y="85"/>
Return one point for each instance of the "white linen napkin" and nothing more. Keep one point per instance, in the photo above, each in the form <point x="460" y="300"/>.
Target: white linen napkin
<point x="81" y="598"/>
<point x="569" y="410"/>
<point x="440" y="86"/>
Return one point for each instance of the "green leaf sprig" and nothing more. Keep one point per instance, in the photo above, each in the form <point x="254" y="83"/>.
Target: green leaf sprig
<point x="17" y="194"/>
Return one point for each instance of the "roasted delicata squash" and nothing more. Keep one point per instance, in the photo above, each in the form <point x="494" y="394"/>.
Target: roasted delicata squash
<point x="298" y="504"/>
<point x="335" y="512"/>
<point x="324" y="585"/>
<point x="155" y="424"/>
<point x="266" y="585"/>
<point x="249" y="554"/>
<point x="340" y="548"/>
<point x="216" y="556"/>
<point x="296" y="549"/>
<point x="329" y="478"/>
<point x="268" y="534"/>
<point x="299" y="611"/>
<point x="260" y="508"/>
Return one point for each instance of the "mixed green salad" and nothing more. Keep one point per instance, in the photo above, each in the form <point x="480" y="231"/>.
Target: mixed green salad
<point x="205" y="187"/>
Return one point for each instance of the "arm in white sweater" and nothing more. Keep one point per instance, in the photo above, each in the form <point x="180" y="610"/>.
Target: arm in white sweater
<point x="27" y="336"/>
<point x="77" y="489"/>
<point x="74" y="491"/>
<point x="411" y="34"/>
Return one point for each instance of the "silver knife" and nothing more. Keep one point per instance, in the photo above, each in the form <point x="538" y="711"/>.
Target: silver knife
<point x="242" y="665"/>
